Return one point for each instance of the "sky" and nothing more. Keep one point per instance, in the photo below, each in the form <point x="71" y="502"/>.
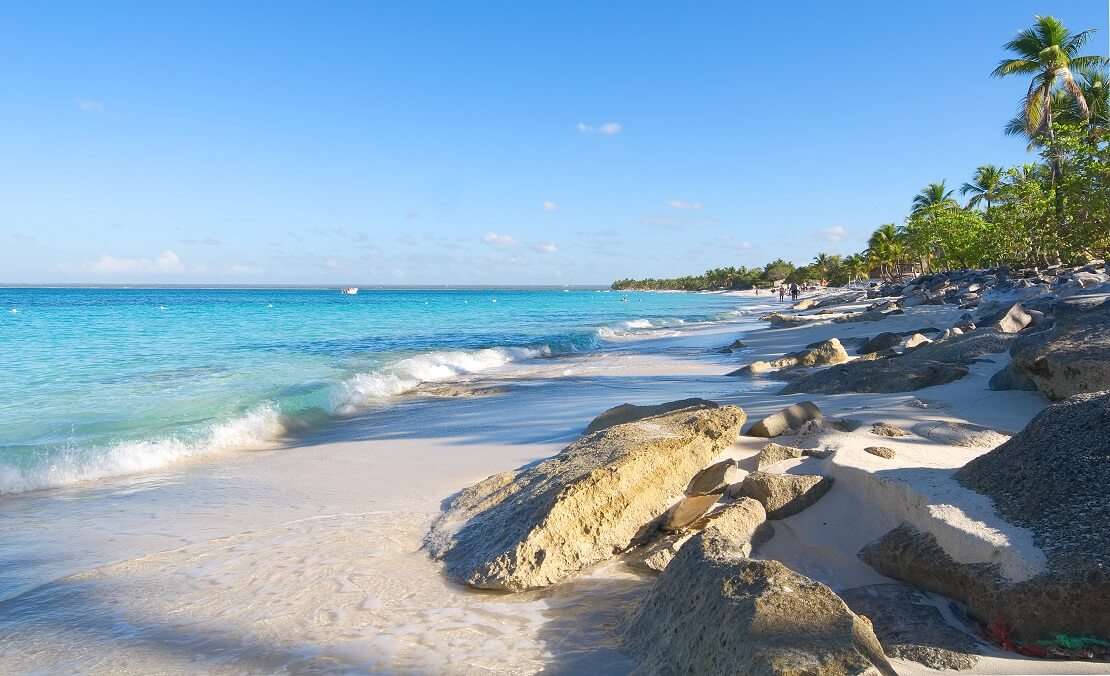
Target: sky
<point x="484" y="143"/>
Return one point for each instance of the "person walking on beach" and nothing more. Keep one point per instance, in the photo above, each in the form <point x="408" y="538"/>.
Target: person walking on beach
<point x="794" y="291"/>
<point x="782" y="292"/>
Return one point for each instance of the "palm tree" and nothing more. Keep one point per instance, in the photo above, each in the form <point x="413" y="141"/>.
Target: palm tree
<point x="1094" y="82"/>
<point x="884" y="248"/>
<point x="933" y="195"/>
<point x="984" y="186"/>
<point x="1048" y="51"/>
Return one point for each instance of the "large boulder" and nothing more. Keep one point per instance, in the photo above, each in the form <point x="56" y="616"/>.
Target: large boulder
<point x="1009" y="378"/>
<point x="630" y="412"/>
<point x="883" y="341"/>
<point x="1015" y="319"/>
<point x="960" y="348"/>
<point x="1074" y="355"/>
<point x="896" y="374"/>
<point x="791" y="417"/>
<point x="780" y="321"/>
<point x="1051" y="479"/>
<point x="911" y="628"/>
<point x="714" y="479"/>
<point x="686" y="511"/>
<point x="775" y="453"/>
<point x="784" y="495"/>
<point x="533" y="527"/>
<point x="715" y="611"/>
<point x="959" y="434"/>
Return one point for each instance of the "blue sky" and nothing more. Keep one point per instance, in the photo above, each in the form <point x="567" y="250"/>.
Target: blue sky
<point x="482" y="143"/>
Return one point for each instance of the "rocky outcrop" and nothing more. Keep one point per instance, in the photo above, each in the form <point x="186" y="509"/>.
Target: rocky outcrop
<point x="714" y="611"/>
<point x="714" y="479"/>
<point x="959" y="434"/>
<point x="824" y="353"/>
<point x="791" y="417"/>
<point x="776" y="453"/>
<point x="629" y="412"/>
<point x="780" y="321"/>
<point x="1051" y="479"/>
<point x="1073" y="356"/>
<point x="732" y="347"/>
<point x="533" y="527"/>
<point x="686" y="511"/>
<point x="815" y="302"/>
<point x="900" y="374"/>
<point x="910" y="628"/>
<point x="784" y="495"/>
<point x="1009" y="378"/>
<point x="958" y="349"/>
<point x="883" y="341"/>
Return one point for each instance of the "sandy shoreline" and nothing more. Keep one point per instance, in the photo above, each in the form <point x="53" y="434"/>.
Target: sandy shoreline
<point x="306" y="558"/>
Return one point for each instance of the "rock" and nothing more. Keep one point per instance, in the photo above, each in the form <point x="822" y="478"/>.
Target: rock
<point x="881" y="375"/>
<point x="822" y="354"/>
<point x="916" y="340"/>
<point x="965" y="325"/>
<point x="775" y="453"/>
<point x="1015" y="319"/>
<point x="884" y="430"/>
<point x="744" y="522"/>
<point x="1051" y="479"/>
<point x="789" y="417"/>
<point x="959" y="349"/>
<point x="734" y="345"/>
<point x="881" y="451"/>
<point x="1010" y="379"/>
<point x="784" y="495"/>
<point x="686" y="511"/>
<point x="910" y="628"/>
<point x="883" y="341"/>
<point x="714" y="479"/>
<point x="959" y="434"/>
<point x="1073" y="356"/>
<point x="869" y="316"/>
<point x="532" y="527"/>
<point x="629" y="412"/>
<point x="715" y="611"/>
<point x="780" y="321"/>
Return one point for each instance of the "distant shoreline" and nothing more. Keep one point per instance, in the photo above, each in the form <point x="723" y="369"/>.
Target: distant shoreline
<point x="316" y="287"/>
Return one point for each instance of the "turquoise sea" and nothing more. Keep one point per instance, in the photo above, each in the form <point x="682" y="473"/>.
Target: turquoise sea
<point x="102" y="382"/>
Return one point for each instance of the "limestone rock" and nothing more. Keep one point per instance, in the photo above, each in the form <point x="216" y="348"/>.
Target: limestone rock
<point x="779" y="320"/>
<point x="714" y="479"/>
<point x="1008" y="378"/>
<point x="962" y="348"/>
<point x="686" y="511"/>
<point x="909" y="628"/>
<point x="916" y="340"/>
<point x="733" y="346"/>
<point x="881" y="451"/>
<point x="899" y="374"/>
<point x="789" y="417"/>
<point x="884" y="430"/>
<point x="784" y="495"/>
<point x="532" y="527"/>
<point x="824" y="353"/>
<point x="1015" y="319"/>
<point x="959" y="434"/>
<point x="774" y="453"/>
<point x="1073" y="356"/>
<point x="629" y="412"/>
<point x="714" y="611"/>
<point x="883" y="341"/>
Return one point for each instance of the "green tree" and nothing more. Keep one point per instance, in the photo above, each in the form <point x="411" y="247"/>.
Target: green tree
<point x="984" y="187"/>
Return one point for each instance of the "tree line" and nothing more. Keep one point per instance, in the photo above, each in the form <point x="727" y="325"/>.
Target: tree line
<point x="1055" y="209"/>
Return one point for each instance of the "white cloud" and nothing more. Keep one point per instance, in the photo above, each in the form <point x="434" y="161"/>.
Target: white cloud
<point x="90" y="106"/>
<point x="834" y="234"/>
<point x="166" y="262"/>
<point x="744" y="245"/>
<point x="243" y="269"/>
<point x="546" y="247"/>
<point x="23" y="235"/>
<point x="609" y="128"/>
<point x="498" y="239"/>
<point x="680" y="204"/>
<point x="550" y="206"/>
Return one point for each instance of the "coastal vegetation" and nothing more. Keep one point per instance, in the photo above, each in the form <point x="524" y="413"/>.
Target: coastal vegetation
<point x="1053" y="210"/>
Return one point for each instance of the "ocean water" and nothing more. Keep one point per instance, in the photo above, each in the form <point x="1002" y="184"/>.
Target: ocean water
<point x="97" y="383"/>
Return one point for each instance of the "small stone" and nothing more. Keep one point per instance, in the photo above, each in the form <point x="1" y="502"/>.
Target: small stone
<point x="686" y="511"/>
<point x="915" y="340"/>
<point x="774" y="453"/>
<point x="714" y="479"/>
<point x="881" y="451"/>
<point x="790" y="417"/>
<point x="884" y="430"/>
<point x="784" y="495"/>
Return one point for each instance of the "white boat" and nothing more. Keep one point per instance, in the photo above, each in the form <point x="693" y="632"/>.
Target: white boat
<point x="349" y="290"/>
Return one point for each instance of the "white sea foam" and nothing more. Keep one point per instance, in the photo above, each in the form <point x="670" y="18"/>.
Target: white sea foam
<point x="69" y="466"/>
